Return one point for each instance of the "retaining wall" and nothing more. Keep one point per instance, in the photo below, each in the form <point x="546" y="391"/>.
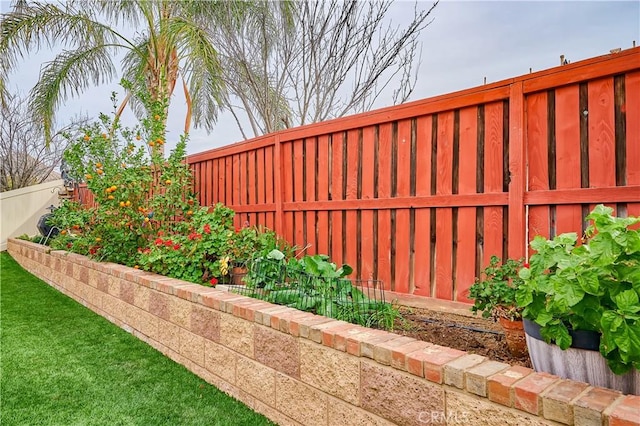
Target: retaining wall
<point x="302" y="369"/>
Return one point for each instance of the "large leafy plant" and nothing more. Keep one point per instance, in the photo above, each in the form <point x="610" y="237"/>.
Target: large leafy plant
<point x="593" y="286"/>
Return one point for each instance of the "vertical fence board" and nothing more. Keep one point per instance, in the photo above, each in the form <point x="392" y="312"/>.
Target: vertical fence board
<point x="298" y="191"/>
<point x="366" y="235"/>
<point x="403" y="185"/>
<point x="602" y="165"/>
<point x="493" y="179"/>
<point x="350" y="233"/>
<point x="220" y="175"/>
<point x="269" y="172"/>
<point x="287" y="188"/>
<point x="336" y="231"/>
<point x="384" y="215"/>
<point x="310" y="195"/>
<point x="260" y="176"/>
<point x="323" y="193"/>
<point x="632" y="107"/>
<point x="568" y="217"/>
<point x="537" y="161"/>
<point x="422" y="273"/>
<point x="465" y="266"/>
<point x="444" y="229"/>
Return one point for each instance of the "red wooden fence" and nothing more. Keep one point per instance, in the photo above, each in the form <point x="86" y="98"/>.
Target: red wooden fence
<point x="420" y="195"/>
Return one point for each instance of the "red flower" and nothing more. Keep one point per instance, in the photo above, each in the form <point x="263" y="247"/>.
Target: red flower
<point x="168" y="243"/>
<point x="237" y="229"/>
<point x="213" y="281"/>
<point x="526" y="265"/>
<point x="176" y="247"/>
<point x="159" y="241"/>
<point x="160" y="233"/>
<point x="194" y="236"/>
<point x="207" y="229"/>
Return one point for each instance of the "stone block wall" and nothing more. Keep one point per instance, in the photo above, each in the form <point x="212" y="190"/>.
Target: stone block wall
<point x="302" y="369"/>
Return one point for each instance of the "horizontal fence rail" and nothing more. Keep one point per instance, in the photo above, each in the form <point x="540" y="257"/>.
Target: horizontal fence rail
<point x="421" y="195"/>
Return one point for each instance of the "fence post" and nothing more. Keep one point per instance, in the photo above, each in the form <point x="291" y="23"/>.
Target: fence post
<point x="517" y="172"/>
<point x="277" y="196"/>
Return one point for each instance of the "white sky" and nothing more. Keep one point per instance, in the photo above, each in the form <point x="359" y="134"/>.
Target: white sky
<point x="467" y="41"/>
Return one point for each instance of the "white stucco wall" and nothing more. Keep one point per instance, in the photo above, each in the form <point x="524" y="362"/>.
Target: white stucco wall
<point x="20" y="209"/>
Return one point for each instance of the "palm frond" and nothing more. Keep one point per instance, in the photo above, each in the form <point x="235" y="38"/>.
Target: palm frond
<point x="30" y="28"/>
<point x="68" y="74"/>
<point x="201" y="67"/>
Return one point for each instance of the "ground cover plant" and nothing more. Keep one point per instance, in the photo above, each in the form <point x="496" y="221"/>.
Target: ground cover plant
<point x="62" y="364"/>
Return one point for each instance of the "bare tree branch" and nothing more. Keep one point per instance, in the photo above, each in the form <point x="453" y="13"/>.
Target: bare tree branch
<point x="338" y="58"/>
<point x="25" y="159"/>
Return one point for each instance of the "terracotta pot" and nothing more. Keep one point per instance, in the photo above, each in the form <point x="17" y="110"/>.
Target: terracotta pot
<point x="514" y="334"/>
<point x="237" y="275"/>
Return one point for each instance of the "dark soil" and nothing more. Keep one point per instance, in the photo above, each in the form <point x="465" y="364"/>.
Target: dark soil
<point x="471" y="334"/>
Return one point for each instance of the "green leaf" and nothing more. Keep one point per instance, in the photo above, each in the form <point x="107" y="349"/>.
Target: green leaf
<point x="569" y="292"/>
<point x="627" y="301"/>
<point x="589" y="282"/>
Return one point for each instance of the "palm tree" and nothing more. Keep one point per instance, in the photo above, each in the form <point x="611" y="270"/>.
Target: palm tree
<point x="171" y="43"/>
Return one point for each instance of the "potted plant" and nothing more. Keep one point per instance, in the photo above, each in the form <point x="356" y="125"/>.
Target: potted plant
<point x="579" y="299"/>
<point x="494" y="294"/>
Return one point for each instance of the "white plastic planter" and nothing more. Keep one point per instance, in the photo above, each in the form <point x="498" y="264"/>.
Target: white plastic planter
<point x="581" y="362"/>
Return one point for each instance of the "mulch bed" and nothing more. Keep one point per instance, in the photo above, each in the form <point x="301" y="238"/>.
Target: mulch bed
<point x="471" y="334"/>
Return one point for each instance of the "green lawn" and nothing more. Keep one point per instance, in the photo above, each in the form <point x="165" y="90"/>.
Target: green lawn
<point x="61" y="364"/>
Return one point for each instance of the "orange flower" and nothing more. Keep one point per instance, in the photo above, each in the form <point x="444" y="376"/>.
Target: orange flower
<point x="168" y="181"/>
<point x="88" y="176"/>
<point x="99" y="171"/>
<point x="98" y="165"/>
<point x="157" y="117"/>
<point x="151" y="143"/>
<point x="111" y="197"/>
<point x="138" y="137"/>
<point x="86" y="137"/>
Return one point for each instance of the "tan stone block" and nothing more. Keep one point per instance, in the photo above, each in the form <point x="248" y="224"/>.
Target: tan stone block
<point x="113" y="286"/>
<point x="113" y="306"/>
<point x="92" y="279"/>
<point x="180" y="312"/>
<point x="205" y="322"/>
<point x="397" y="396"/>
<point x="169" y="335"/>
<point x="127" y="291"/>
<point x="141" y="296"/>
<point x="343" y="414"/>
<point x="476" y="377"/>
<point x="159" y="305"/>
<point x="274" y="415"/>
<point x="220" y="361"/>
<point x="144" y="322"/>
<point x="237" y="334"/>
<point x="277" y="350"/>
<point x="332" y="371"/>
<point x="256" y="379"/>
<point x="301" y="402"/>
<point x="192" y="346"/>
<point x="83" y="275"/>
<point x="469" y="410"/>
<point x="102" y="281"/>
<point x="454" y="371"/>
